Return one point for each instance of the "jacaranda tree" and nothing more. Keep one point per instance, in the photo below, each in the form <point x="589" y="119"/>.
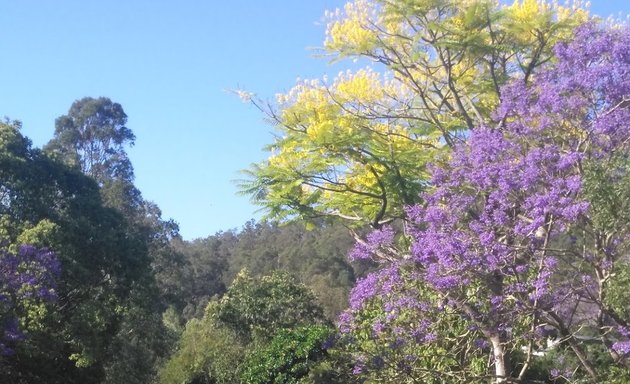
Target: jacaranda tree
<point x="525" y="234"/>
<point x="27" y="283"/>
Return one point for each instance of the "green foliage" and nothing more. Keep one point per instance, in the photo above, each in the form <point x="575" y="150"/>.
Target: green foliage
<point x="38" y="234"/>
<point x="255" y="308"/>
<point x="289" y="356"/>
<point x="207" y="353"/>
<point x="104" y="326"/>
<point x="607" y="187"/>
<point x="260" y="302"/>
<point x="315" y="257"/>
<point x="200" y="275"/>
<point x="141" y="341"/>
<point x="356" y="147"/>
<point x="92" y="137"/>
<point x="246" y="318"/>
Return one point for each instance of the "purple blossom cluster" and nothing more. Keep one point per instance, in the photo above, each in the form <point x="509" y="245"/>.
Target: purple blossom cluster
<point x="495" y="207"/>
<point x="490" y="241"/>
<point x="392" y="322"/>
<point x="26" y="278"/>
<point x="376" y="240"/>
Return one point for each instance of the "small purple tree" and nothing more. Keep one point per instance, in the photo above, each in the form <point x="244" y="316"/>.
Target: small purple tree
<point x="27" y="283"/>
<point x="521" y="233"/>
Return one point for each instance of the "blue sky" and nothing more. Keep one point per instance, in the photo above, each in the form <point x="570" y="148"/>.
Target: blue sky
<point x="169" y="65"/>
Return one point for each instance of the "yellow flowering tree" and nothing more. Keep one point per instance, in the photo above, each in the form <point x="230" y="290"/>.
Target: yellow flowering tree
<point x="357" y="146"/>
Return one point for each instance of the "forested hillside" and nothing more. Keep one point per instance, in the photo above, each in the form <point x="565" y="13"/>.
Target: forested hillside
<point x="455" y="212"/>
<point x="316" y="257"/>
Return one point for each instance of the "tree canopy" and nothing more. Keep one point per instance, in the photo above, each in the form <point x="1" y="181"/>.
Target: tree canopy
<point x="252" y="319"/>
<point x="92" y="137"/>
<point x="517" y="237"/>
<point x="105" y="287"/>
<point x="357" y="146"/>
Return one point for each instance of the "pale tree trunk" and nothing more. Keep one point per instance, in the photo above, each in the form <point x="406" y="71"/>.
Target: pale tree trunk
<point x="501" y="370"/>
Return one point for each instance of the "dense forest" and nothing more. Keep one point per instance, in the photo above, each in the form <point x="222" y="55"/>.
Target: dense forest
<point x="456" y="212"/>
<point x="98" y="287"/>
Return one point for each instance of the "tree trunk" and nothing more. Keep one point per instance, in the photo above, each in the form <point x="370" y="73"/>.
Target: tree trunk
<point x="501" y="370"/>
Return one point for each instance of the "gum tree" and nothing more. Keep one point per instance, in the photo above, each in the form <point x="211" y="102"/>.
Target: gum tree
<point x="92" y="137"/>
<point x="105" y="292"/>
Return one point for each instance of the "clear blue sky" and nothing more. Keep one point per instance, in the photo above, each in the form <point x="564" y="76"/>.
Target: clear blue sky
<point x="169" y="63"/>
